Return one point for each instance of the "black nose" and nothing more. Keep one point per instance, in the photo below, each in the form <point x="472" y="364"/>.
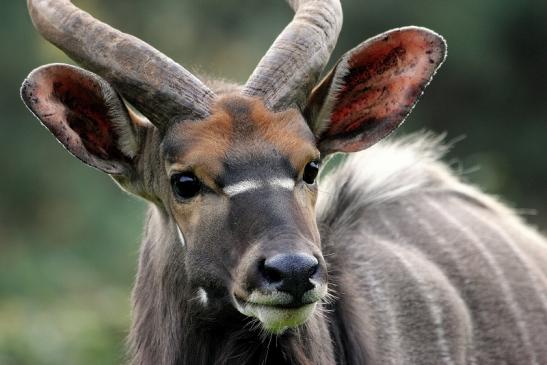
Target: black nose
<point x="290" y="273"/>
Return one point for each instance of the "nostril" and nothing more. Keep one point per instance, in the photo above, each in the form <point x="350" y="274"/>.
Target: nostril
<point x="271" y="274"/>
<point x="313" y="270"/>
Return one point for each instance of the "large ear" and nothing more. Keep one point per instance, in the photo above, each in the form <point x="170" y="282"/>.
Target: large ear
<point x="85" y="114"/>
<point x="373" y="88"/>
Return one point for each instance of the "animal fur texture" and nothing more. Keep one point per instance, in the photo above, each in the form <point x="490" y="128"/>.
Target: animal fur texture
<point x="445" y="273"/>
<point x="423" y="269"/>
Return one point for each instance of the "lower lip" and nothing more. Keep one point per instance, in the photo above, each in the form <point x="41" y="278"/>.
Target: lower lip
<point x="276" y="319"/>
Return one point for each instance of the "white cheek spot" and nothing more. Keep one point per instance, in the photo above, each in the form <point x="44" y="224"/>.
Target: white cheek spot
<point x="181" y="237"/>
<point x="249" y="185"/>
<point x="202" y="296"/>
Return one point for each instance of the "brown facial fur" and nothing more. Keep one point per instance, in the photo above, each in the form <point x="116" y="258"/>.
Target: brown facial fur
<point x="238" y="124"/>
<point x="239" y="129"/>
<point x="235" y="232"/>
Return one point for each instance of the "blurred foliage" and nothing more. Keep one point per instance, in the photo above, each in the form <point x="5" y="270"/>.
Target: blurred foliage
<point x="69" y="237"/>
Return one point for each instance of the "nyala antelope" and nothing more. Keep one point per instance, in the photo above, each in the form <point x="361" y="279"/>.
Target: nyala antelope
<point x="245" y="259"/>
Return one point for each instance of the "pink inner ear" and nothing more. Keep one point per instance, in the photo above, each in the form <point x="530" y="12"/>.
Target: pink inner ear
<point x="86" y="114"/>
<point x="73" y="108"/>
<point x="385" y="77"/>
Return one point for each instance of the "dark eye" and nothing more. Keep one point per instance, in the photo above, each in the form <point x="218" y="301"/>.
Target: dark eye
<point x="310" y="172"/>
<point x="185" y="185"/>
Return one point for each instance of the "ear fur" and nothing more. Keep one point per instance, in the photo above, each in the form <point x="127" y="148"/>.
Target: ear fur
<point x="373" y="88"/>
<point x="85" y="114"/>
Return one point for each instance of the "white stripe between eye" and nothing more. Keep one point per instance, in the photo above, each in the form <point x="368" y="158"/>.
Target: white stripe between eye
<point x="282" y="183"/>
<point x="242" y="186"/>
<point x="248" y="185"/>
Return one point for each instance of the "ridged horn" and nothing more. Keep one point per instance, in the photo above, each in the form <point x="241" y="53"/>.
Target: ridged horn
<point x="291" y="67"/>
<point x="157" y="86"/>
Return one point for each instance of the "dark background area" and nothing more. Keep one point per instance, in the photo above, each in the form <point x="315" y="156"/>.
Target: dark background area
<point x="69" y="237"/>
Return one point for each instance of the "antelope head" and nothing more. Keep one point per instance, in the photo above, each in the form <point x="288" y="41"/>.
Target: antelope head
<point x="233" y="175"/>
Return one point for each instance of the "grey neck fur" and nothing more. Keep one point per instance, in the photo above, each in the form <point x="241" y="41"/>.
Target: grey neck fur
<point x="421" y="264"/>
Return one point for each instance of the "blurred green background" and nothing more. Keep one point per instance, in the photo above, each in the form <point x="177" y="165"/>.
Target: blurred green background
<point x="69" y="238"/>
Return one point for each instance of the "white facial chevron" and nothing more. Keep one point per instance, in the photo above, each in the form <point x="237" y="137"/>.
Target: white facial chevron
<point x="249" y="185"/>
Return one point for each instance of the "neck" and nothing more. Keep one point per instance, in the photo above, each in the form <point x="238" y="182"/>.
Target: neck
<point x="170" y="326"/>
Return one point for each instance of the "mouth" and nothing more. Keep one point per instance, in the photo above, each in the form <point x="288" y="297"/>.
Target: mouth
<point x="276" y="316"/>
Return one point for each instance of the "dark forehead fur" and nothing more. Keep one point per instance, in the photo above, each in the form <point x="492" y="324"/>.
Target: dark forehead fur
<point x="240" y="130"/>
